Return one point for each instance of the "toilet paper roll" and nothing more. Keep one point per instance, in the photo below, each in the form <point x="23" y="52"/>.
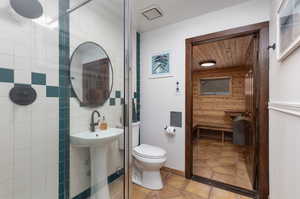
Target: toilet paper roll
<point x="170" y="131"/>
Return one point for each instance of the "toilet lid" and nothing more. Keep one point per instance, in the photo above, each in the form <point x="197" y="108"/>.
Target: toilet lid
<point x="148" y="151"/>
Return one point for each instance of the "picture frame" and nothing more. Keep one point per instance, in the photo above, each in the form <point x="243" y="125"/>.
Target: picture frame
<point x="160" y="65"/>
<point x="288" y="28"/>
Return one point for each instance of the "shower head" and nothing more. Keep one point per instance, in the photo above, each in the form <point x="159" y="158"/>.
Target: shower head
<point x="31" y="9"/>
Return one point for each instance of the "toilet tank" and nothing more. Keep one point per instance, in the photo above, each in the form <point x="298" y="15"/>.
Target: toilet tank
<point x="135" y="136"/>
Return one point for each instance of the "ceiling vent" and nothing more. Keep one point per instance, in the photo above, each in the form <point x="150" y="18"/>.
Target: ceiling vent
<point x="152" y="13"/>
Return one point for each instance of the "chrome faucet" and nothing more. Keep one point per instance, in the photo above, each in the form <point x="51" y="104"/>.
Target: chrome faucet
<point x="93" y="123"/>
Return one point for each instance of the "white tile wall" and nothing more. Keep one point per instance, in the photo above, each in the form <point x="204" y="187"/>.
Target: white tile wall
<point x="28" y="134"/>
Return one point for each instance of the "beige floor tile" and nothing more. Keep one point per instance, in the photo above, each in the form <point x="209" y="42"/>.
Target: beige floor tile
<point x="211" y="156"/>
<point x="225" y="161"/>
<point x="167" y="192"/>
<point x="225" y="170"/>
<point x="221" y="194"/>
<point x="139" y="194"/>
<point x="177" y="187"/>
<point x="204" y="172"/>
<point x="141" y="189"/>
<point x="199" y="189"/>
<point x="176" y="181"/>
<point x="228" y="179"/>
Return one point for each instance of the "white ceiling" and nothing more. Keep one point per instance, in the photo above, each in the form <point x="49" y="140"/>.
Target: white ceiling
<point x="178" y="10"/>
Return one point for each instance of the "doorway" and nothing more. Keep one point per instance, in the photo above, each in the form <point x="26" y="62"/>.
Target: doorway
<point x="226" y="138"/>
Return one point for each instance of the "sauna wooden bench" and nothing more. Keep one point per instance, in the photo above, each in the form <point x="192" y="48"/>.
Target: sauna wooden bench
<point x="213" y="127"/>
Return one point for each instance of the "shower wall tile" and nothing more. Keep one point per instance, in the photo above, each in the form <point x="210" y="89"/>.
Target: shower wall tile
<point x="6" y="110"/>
<point x="4" y="89"/>
<point x="6" y="190"/>
<point x="6" y="61"/>
<point x="22" y="76"/>
<point x="28" y="134"/>
<point x="38" y="78"/>
<point x="22" y="174"/>
<point x="6" y="160"/>
<point x="22" y="135"/>
<point x="6" y="75"/>
<point x="21" y="114"/>
<point x="22" y="49"/>
<point x="6" y="47"/>
<point x="22" y="63"/>
<point x="52" y="77"/>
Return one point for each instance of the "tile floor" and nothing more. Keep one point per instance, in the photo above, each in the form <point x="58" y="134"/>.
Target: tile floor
<point x="222" y="162"/>
<point x="116" y="189"/>
<point x="177" y="187"/>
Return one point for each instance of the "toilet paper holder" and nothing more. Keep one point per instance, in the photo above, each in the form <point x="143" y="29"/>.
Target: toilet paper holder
<point x="167" y="128"/>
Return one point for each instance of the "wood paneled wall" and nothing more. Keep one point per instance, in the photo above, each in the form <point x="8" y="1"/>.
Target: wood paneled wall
<point x="210" y="109"/>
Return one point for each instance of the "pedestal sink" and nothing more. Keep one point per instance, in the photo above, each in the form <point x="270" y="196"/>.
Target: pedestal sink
<point x="98" y="143"/>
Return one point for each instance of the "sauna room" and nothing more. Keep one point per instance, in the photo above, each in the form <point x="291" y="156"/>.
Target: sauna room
<point x="223" y="102"/>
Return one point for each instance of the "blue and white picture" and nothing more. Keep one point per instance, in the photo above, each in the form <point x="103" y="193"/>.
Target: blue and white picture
<point x="160" y="65"/>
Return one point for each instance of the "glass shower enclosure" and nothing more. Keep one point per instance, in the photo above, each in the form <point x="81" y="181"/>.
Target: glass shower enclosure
<point x="65" y="99"/>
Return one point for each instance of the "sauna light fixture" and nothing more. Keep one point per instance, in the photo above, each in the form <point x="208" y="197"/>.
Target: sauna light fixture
<point x="208" y="64"/>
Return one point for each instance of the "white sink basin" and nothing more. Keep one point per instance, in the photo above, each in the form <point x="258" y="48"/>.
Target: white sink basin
<point x="98" y="143"/>
<point x="97" y="138"/>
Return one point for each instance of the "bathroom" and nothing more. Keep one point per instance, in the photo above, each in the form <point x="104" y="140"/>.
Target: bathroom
<point x="106" y="99"/>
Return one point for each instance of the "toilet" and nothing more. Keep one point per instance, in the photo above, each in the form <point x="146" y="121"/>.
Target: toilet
<point x="147" y="162"/>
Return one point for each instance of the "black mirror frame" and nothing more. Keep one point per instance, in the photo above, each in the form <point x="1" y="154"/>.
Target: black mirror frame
<point x="112" y="73"/>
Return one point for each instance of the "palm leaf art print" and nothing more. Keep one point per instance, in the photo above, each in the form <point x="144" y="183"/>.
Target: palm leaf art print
<point x="160" y="64"/>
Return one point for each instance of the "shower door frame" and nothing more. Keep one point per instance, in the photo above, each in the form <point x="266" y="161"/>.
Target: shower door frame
<point x="128" y="56"/>
<point x="262" y="30"/>
<point x="64" y="188"/>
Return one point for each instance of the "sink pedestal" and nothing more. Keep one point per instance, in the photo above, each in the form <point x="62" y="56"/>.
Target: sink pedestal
<point x="98" y="143"/>
<point x="99" y="185"/>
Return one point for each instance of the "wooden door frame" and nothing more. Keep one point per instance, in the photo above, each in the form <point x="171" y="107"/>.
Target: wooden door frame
<point x="262" y="81"/>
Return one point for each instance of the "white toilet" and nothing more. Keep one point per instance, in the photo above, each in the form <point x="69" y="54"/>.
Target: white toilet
<point x="147" y="161"/>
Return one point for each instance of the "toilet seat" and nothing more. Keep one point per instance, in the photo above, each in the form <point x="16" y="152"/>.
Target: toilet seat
<point x="149" y="152"/>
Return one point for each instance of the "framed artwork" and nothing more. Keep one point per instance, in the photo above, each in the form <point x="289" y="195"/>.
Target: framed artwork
<point x="288" y="28"/>
<point x="160" y="65"/>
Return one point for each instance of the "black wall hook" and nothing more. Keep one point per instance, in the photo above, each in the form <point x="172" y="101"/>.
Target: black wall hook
<point x="273" y="46"/>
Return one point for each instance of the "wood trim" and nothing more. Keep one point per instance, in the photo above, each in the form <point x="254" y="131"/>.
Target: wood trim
<point x="227" y="34"/>
<point x="189" y="111"/>
<point x="173" y="171"/>
<point x="262" y="31"/>
<point x="263" y="112"/>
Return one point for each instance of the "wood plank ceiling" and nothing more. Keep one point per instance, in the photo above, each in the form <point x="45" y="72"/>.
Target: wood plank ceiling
<point x="227" y="53"/>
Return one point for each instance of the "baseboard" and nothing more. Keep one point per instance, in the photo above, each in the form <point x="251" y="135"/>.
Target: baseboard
<point x="173" y="171"/>
<point x="286" y="108"/>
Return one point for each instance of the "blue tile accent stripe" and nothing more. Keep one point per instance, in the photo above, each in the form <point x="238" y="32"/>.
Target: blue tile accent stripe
<point x="6" y="75"/>
<point x="118" y="94"/>
<point x="38" y="78"/>
<point x="52" y="91"/>
<point x="112" y="101"/>
<point x="84" y="195"/>
<point x="110" y="179"/>
<point x="64" y="101"/>
<point x="138" y="75"/>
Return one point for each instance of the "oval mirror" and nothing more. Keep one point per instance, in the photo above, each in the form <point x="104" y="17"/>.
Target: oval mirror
<point x="91" y="74"/>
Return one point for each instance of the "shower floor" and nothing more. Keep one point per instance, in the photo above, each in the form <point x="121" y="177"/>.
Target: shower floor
<point x="221" y="162"/>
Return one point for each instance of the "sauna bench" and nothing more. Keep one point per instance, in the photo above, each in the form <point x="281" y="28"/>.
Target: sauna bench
<point x="214" y="127"/>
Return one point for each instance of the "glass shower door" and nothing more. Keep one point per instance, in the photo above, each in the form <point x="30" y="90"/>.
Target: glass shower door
<point x="62" y="99"/>
<point x="97" y="74"/>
